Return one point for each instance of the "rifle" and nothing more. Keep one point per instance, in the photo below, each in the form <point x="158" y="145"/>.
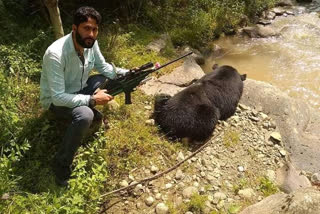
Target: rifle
<point x="128" y="82"/>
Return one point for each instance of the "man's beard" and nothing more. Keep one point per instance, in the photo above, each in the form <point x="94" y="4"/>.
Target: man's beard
<point x="82" y="41"/>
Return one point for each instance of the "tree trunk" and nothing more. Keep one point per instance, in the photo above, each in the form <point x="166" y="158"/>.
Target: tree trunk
<point x="54" y="12"/>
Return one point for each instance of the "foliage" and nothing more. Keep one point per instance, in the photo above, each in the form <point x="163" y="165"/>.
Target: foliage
<point x="234" y="208"/>
<point x="197" y="203"/>
<point x="243" y="182"/>
<point x="267" y="187"/>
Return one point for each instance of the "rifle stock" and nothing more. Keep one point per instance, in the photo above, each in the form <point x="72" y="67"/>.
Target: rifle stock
<point x="132" y="79"/>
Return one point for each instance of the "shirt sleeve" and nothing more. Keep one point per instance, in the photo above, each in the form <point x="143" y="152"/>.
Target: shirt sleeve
<point x="108" y="70"/>
<point x="56" y="83"/>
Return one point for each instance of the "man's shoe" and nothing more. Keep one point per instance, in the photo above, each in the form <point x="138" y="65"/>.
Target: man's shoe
<point x="62" y="183"/>
<point x="62" y="174"/>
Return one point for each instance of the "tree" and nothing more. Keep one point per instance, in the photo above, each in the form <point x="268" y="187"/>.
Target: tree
<point x="54" y="12"/>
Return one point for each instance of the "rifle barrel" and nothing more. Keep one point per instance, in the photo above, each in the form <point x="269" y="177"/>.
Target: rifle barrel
<point x="168" y="63"/>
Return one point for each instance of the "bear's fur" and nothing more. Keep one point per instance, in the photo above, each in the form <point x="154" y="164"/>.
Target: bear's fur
<point x="193" y="112"/>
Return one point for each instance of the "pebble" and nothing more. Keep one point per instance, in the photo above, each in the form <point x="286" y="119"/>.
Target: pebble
<point x="149" y="201"/>
<point x="154" y="169"/>
<point x="148" y="107"/>
<point x="283" y="152"/>
<point x="168" y="186"/>
<point x="138" y="205"/>
<point x="179" y="174"/>
<point x="189" y="191"/>
<point x="150" y="122"/>
<point x="315" y="178"/>
<point x="158" y="196"/>
<point x="271" y="175"/>
<point x="124" y="183"/>
<point x="240" y="168"/>
<point x="275" y="137"/>
<point x="161" y="208"/>
<point x="246" y="193"/>
<point x="5" y="196"/>
<point x="219" y="196"/>
<point x="180" y="156"/>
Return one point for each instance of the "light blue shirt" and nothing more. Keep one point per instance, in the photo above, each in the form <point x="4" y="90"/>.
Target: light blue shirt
<point x="63" y="73"/>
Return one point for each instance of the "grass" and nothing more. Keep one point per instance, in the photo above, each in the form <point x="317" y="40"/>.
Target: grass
<point x="197" y="203"/>
<point x="267" y="187"/>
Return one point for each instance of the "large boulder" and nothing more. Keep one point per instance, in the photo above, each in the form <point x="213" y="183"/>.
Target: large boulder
<point x="302" y="201"/>
<point x="289" y="179"/>
<point x="298" y="123"/>
<point x="176" y="81"/>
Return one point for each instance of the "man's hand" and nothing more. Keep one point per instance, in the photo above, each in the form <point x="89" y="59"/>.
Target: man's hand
<point x="101" y="97"/>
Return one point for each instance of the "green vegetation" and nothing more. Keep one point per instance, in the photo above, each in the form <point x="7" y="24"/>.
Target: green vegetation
<point x="267" y="187"/>
<point x="29" y="138"/>
<point x="197" y="203"/>
<point x="231" y="138"/>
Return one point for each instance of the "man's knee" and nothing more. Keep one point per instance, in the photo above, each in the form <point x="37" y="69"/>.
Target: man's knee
<point x="83" y="115"/>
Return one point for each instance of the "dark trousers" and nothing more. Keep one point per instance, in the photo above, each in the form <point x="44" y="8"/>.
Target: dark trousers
<point x="81" y="118"/>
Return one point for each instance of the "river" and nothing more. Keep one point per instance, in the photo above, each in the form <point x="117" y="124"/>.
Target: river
<point x="290" y="61"/>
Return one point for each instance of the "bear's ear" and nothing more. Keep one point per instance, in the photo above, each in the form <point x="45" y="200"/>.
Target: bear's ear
<point x="243" y="77"/>
<point x="215" y="66"/>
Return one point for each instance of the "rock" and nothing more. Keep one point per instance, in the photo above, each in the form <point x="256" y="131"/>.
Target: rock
<point x="158" y="196"/>
<point x="296" y="121"/>
<point x="240" y="168"/>
<point x="5" y="196"/>
<point x="219" y="196"/>
<point x="131" y="178"/>
<point x="259" y="31"/>
<point x="150" y="122"/>
<point x="302" y="201"/>
<point x="271" y="15"/>
<point x="283" y="3"/>
<point x="154" y="169"/>
<point x="124" y="183"/>
<point x="288" y="179"/>
<point x="174" y="82"/>
<point x="158" y="44"/>
<point x="278" y="11"/>
<point x="148" y="107"/>
<point x="283" y="152"/>
<point x="189" y="191"/>
<point x="180" y="156"/>
<point x="275" y="137"/>
<point x="179" y="174"/>
<point x="149" y="201"/>
<point x="271" y="175"/>
<point x="264" y="22"/>
<point x="161" y="208"/>
<point x="246" y="193"/>
<point x="315" y="179"/>
<point x="168" y="185"/>
<point x="138" y="205"/>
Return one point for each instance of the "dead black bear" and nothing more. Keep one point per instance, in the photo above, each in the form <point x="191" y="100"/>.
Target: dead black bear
<point x="193" y="112"/>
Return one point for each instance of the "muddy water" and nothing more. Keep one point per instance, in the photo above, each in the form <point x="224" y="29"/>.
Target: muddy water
<point x="290" y="61"/>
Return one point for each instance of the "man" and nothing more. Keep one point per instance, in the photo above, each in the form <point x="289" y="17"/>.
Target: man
<point x="66" y="88"/>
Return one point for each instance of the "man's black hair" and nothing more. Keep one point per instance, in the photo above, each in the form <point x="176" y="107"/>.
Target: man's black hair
<point x="83" y="13"/>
